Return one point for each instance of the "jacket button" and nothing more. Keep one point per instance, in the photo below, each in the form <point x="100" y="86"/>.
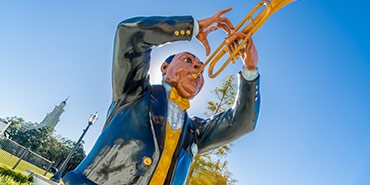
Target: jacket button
<point x="182" y="32"/>
<point x="177" y="33"/>
<point x="147" y="161"/>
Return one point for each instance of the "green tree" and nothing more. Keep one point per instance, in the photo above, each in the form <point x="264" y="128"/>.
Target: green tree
<point x="15" y="125"/>
<point x="37" y="140"/>
<point x="43" y="142"/>
<point x="77" y="157"/>
<point x="225" y="96"/>
<point x="211" y="168"/>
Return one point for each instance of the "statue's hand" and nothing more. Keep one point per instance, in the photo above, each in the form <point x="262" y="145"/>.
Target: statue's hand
<point x="250" y="55"/>
<point x="211" y="24"/>
<point x="248" y="51"/>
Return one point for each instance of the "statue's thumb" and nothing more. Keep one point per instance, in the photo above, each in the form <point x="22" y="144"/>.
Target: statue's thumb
<point x="206" y="45"/>
<point x="204" y="41"/>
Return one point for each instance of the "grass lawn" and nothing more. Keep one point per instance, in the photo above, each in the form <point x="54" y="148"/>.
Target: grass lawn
<point x="10" y="160"/>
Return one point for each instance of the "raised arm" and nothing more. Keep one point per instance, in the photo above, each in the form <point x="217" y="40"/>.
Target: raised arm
<point x="242" y="117"/>
<point x="134" y="40"/>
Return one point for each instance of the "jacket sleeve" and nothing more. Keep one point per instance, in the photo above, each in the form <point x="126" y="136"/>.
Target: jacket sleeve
<point x="235" y="122"/>
<point x="134" y="40"/>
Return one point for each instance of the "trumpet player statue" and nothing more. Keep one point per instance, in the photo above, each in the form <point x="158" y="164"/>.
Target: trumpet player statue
<point x="149" y="138"/>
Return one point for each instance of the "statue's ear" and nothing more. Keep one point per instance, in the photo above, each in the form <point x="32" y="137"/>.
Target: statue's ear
<point x="164" y="67"/>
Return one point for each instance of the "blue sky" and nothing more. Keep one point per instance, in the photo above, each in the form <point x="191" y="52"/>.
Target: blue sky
<point x="314" y="63"/>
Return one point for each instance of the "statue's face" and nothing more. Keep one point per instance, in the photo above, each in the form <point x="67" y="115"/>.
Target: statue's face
<point x="179" y="74"/>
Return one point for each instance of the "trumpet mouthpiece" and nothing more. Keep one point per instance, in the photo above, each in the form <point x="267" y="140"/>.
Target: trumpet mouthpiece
<point x="195" y="75"/>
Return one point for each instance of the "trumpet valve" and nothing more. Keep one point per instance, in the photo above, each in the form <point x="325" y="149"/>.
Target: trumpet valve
<point x="233" y="60"/>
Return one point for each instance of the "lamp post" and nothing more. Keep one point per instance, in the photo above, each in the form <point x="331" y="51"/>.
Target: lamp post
<point x="56" y="177"/>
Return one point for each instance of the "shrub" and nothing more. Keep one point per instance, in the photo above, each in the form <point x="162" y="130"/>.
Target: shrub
<point x="17" y="176"/>
<point x="7" y="180"/>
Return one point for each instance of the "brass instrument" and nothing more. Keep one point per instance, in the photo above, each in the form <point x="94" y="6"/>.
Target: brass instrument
<point x="269" y="8"/>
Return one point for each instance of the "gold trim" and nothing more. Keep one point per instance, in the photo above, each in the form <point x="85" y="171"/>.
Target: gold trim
<point x="170" y="143"/>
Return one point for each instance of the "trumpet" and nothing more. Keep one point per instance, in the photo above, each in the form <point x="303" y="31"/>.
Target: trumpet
<point x="266" y="9"/>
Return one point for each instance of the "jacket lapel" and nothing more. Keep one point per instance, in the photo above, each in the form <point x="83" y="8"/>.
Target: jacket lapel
<point x="158" y="111"/>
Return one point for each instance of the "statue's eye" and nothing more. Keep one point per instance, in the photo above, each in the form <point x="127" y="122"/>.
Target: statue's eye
<point x="188" y="60"/>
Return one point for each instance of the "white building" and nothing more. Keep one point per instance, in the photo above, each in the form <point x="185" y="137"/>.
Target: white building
<point x="51" y="118"/>
<point x="3" y="125"/>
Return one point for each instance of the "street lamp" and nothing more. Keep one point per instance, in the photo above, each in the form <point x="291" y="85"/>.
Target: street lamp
<point x="56" y="177"/>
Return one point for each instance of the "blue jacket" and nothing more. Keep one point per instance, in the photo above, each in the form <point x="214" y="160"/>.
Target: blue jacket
<point x="131" y="146"/>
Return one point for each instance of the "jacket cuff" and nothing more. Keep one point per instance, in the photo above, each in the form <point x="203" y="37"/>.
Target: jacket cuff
<point x="196" y="27"/>
<point x="249" y="75"/>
